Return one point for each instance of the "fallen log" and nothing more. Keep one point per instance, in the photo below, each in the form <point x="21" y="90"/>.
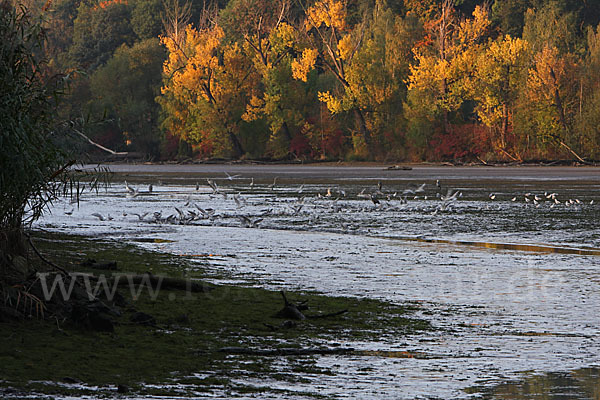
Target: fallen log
<point x="291" y="310"/>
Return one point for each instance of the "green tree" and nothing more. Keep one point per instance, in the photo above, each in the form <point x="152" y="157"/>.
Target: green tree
<point x="98" y="31"/>
<point x="146" y="19"/>
<point x="125" y="89"/>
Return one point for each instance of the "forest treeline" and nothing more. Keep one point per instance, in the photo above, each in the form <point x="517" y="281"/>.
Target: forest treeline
<point x="510" y="80"/>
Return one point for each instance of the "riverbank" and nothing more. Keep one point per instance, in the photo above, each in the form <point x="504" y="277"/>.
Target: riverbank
<point x="199" y="344"/>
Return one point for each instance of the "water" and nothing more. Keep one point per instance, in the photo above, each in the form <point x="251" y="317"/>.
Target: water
<point x="513" y="285"/>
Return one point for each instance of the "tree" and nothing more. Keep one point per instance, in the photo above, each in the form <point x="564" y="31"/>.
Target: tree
<point x="205" y="89"/>
<point x="496" y="84"/>
<point x="440" y="78"/>
<point x="125" y="88"/>
<point x="335" y="42"/>
<point x="98" y="31"/>
<point x="146" y="19"/>
<point x="552" y="97"/>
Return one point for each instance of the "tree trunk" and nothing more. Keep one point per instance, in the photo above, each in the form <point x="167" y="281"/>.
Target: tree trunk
<point x="236" y="146"/>
<point x="286" y="131"/>
<point x="504" y="125"/>
<point x="362" y="128"/>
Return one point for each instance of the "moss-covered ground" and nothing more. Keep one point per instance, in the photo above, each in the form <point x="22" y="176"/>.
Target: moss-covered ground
<point x="180" y="354"/>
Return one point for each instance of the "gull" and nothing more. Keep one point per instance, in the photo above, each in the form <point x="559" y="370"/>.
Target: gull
<point x="129" y="189"/>
<point x="374" y="198"/>
<point x="70" y="212"/>
<point x="328" y="192"/>
<point x="420" y="189"/>
<point x="181" y="214"/>
<point x="272" y="185"/>
<point x="99" y="216"/>
<point x="591" y="202"/>
<point x="513" y="199"/>
<point x="450" y="196"/>
<point x="492" y="196"/>
<point x="140" y="216"/>
<point x="213" y="185"/>
<point x="362" y="194"/>
<point x="301" y="188"/>
<point x="297" y="209"/>
<point x="238" y="200"/>
<point x="537" y="198"/>
<point x="248" y="223"/>
<point x="231" y="177"/>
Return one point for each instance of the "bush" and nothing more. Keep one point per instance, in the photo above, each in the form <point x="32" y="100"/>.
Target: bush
<point x="30" y="163"/>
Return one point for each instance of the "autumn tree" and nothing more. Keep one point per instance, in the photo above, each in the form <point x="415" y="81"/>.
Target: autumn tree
<point x="552" y="97"/>
<point x="335" y="43"/>
<point x="499" y="73"/>
<point x="441" y="76"/>
<point x="206" y="82"/>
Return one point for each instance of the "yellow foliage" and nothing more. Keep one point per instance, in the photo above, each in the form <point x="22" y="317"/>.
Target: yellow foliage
<point x="330" y="13"/>
<point x="253" y="109"/>
<point x="471" y="30"/>
<point x="301" y="68"/>
<point x="345" y="47"/>
<point x="282" y="38"/>
<point x="334" y="105"/>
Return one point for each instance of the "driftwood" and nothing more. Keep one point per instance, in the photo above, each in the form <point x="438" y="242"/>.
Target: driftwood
<point x="286" y="351"/>
<point x="291" y="310"/>
<point x="294" y="311"/>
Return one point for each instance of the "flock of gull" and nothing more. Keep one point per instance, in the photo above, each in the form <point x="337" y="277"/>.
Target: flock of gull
<point x="237" y="198"/>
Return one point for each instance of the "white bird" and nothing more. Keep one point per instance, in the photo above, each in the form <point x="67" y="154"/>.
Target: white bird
<point x="99" y="216"/>
<point x="213" y="185"/>
<point x="128" y="188"/>
<point x="513" y="199"/>
<point x="140" y="216"/>
<point x="492" y="196"/>
<point x="272" y="185"/>
<point x="248" y="223"/>
<point x="252" y="183"/>
<point x="230" y="177"/>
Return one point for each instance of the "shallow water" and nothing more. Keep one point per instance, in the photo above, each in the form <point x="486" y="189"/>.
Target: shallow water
<point x="512" y="285"/>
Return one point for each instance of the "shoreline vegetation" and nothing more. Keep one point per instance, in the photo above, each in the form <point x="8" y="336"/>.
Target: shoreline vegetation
<point x="205" y="339"/>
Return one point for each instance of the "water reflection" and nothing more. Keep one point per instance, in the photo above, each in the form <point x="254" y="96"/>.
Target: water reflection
<point x="575" y="385"/>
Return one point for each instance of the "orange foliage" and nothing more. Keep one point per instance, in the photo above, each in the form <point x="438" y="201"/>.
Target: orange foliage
<point x="108" y="3"/>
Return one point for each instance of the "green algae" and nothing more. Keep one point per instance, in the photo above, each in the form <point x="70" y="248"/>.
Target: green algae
<point x="180" y="355"/>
